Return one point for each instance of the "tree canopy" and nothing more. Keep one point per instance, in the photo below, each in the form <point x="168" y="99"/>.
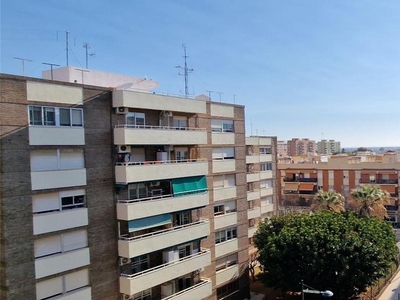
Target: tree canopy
<point x="341" y="252"/>
<point x="328" y="200"/>
<point x="370" y="201"/>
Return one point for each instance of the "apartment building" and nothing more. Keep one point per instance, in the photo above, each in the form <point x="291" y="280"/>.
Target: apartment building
<point x="300" y="182"/>
<point x="282" y="148"/>
<point x="297" y="147"/>
<point x="328" y="147"/>
<point x="261" y="168"/>
<point x="120" y="194"/>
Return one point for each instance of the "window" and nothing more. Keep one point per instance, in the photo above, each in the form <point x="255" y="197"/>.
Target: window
<point x="62" y="285"/>
<point x="137" y="191"/>
<point x="143" y="295"/>
<point x="252" y="223"/>
<point x="61" y="159"/>
<point x="182" y="218"/>
<point x="135" y="118"/>
<point x="225" y="235"/>
<point x="224" y="181"/>
<point x="250" y="204"/>
<point x="225" y="208"/>
<point x="265" y="183"/>
<point x="180" y="122"/>
<point x="223" y="153"/>
<point x="265" y="150"/>
<point x="227" y="289"/>
<point x="226" y="262"/>
<point x="60" y="243"/>
<point x="222" y="125"/>
<point x="266" y="166"/>
<point x="267" y="201"/>
<point x="55" y="116"/>
<point x="50" y="202"/>
<point x="139" y="264"/>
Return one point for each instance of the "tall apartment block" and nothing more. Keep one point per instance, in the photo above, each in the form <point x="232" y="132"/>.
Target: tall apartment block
<point x="117" y="194"/>
<point x="282" y="148"/>
<point x="261" y="168"/>
<point x="328" y="147"/>
<point x="300" y="182"/>
<point x="297" y="147"/>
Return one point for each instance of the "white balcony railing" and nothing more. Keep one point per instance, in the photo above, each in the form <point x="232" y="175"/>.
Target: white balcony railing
<point x="159" y="127"/>
<point x="200" y="290"/>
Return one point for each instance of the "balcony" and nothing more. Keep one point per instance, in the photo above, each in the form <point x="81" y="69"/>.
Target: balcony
<point x="225" y="220"/>
<point x="142" y="244"/>
<point x="253" y="195"/>
<point x="267" y="208"/>
<point x="158" y="135"/>
<point x="251" y="177"/>
<point x="157" y="102"/>
<point x="152" y="206"/>
<point x="265" y="157"/>
<point x="53" y="264"/>
<point x="267" y="191"/>
<point x="300" y="180"/>
<point x="223" y="138"/>
<point x="52" y="135"/>
<point x="158" y="170"/>
<point x="80" y="294"/>
<point x="252" y="159"/>
<point x="226" y="247"/>
<point x="57" y="179"/>
<point x="201" y="290"/>
<point x="132" y="284"/>
<point x="380" y="181"/>
<point x="266" y="175"/>
<point x="56" y="221"/>
<point x="227" y="165"/>
<point x="224" y="193"/>
<point x="253" y="213"/>
<point x="252" y="231"/>
<point x="227" y="274"/>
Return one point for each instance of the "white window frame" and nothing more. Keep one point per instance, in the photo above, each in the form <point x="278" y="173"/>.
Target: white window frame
<point x="264" y="183"/>
<point x="58" y="156"/>
<point x="136" y="116"/>
<point x="226" y="262"/>
<point x="43" y="109"/>
<point x="225" y="235"/>
<point x="223" y="153"/>
<point x="266" y="166"/>
<point x="265" y="150"/>
<point x="226" y="179"/>
<point x="60" y="196"/>
<point x="222" y="126"/>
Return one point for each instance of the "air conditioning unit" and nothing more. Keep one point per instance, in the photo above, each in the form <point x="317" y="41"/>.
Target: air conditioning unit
<point x="124" y="149"/>
<point x="121" y="110"/>
<point x="124" y="261"/>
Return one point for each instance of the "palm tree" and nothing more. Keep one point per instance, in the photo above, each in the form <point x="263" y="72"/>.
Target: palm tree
<point x="330" y="201"/>
<point x="370" y="200"/>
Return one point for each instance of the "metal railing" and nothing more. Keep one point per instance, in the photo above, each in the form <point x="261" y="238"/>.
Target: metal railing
<point x="158" y="162"/>
<point x="202" y="282"/>
<point x="154" y="198"/>
<point x="126" y="237"/>
<point x="131" y="126"/>
<point x="380" y="181"/>
<point x="202" y="252"/>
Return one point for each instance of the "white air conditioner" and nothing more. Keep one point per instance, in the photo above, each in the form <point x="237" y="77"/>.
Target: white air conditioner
<point x="124" y="261"/>
<point x="121" y="110"/>
<point x="124" y="149"/>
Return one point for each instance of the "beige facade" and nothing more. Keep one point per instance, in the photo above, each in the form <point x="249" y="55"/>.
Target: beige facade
<point x="296" y="147"/>
<point x="261" y="168"/>
<point x="282" y="148"/>
<point x="299" y="183"/>
<point x="328" y="147"/>
<point x="146" y="194"/>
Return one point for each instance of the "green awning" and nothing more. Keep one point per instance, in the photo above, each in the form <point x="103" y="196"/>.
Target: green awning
<point x="141" y="224"/>
<point x="189" y="185"/>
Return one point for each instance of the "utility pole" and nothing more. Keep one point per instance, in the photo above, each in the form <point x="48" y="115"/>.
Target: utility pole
<point x="51" y="68"/>
<point x="186" y="71"/>
<point x="23" y="60"/>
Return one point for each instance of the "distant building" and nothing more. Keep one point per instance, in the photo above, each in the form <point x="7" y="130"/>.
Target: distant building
<point x="296" y="147"/>
<point x="328" y="147"/>
<point x="282" y="148"/>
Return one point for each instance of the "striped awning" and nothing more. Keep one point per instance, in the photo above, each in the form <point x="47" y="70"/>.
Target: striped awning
<point x="291" y="186"/>
<point x="306" y="187"/>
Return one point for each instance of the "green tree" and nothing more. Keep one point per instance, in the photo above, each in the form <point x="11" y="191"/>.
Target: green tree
<point x="330" y="201"/>
<point x="340" y="252"/>
<point x="370" y="200"/>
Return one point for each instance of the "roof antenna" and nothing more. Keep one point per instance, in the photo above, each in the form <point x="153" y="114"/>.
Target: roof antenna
<point x="23" y="60"/>
<point x="186" y="71"/>
<point x="87" y="47"/>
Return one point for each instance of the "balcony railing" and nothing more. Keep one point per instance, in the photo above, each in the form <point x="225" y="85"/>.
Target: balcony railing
<point x="154" y="198"/>
<point x="127" y="238"/>
<point x="130" y="126"/>
<point x="204" y="251"/>
<point x="300" y="179"/>
<point x="202" y="282"/>
<point x="380" y="181"/>
<point x="158" y="162"/>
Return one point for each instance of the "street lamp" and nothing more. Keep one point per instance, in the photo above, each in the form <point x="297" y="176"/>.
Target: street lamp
<point x="311" y="290"/>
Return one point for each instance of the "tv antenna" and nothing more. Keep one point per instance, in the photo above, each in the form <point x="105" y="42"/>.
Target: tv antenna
<point x="51" y="68"/>
<point x="87" y="47"/>
<point x="66" y="44"/>
<point x="186" y="71"/>
<point x="23" y="60"/>
<point x="220" y="93"/>
<point x="209" y="94"/>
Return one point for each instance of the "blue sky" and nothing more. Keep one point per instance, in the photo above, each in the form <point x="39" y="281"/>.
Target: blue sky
<point x="310" y="68"/>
